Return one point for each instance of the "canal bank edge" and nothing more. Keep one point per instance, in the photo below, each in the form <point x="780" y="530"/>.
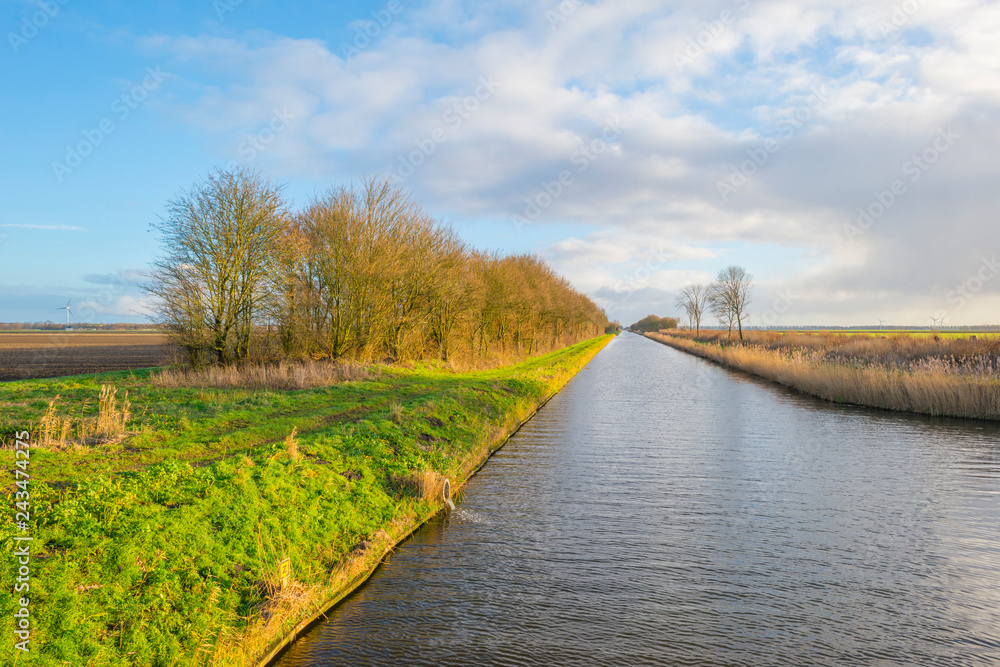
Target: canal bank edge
<point x="376" y="554"/>
<point x="878" y="388"/>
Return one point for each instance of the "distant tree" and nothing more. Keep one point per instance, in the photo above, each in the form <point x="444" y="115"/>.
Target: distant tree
<point x="717" y="305"/>
<point x="652" y="323"/>
<point x="694" y="299"/>
<point x="220" y="251"/>
<point x="730" y="295"/>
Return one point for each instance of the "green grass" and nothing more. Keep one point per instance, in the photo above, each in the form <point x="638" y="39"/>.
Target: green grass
<point x="160" y="550"/>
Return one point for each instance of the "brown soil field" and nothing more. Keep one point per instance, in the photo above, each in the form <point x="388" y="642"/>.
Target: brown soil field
<point x="27" y="355"/>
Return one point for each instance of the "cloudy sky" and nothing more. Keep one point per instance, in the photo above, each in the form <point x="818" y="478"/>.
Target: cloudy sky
<point x="846" y="153"/>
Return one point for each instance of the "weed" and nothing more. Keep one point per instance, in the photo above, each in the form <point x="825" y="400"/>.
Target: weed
<point x="112" y="418"/>
<point x="50" y="427"/>
<point x="292" y="445"/>
<point x="109" y="425"/>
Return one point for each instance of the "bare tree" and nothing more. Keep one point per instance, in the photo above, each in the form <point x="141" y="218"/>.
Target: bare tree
<point x="221" y="251"/>
<point x="451" y="293"/>
<point x="694" y="299"/>
<point x="717" y="304"/>
<point x="729" y="296"/>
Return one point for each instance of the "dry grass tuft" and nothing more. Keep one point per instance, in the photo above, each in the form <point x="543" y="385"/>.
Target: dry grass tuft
<point x="424" y="484"/>
<point x="291" y="445"/>
<point x="111" y="417"/>
<point x="281" y="603"/>
<point x="955" y="378"/>
<point x="109" y="425"/>
<point x="282" y="375"/>
<point x="51" y="428"/>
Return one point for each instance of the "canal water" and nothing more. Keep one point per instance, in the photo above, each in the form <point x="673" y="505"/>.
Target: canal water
<point x="663" y="510"/>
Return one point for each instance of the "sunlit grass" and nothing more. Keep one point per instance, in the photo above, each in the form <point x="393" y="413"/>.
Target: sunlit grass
<point x="161" y="547"/>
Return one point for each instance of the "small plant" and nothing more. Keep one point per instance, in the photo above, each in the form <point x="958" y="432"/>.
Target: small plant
<point x="112" y="418"/>
<point x="109" y="425"/>
<point x="50" y="427"/>
<point x="291" y="445"/>
<point x="423" y="484"/>
<point x="396" y="412"/>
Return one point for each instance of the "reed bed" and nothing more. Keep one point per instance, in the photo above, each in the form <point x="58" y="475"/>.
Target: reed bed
<point x="955" y="378"/>
<point x="307" y="374"/>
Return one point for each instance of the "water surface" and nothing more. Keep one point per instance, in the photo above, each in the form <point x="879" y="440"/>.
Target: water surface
<point x="663" y="510"/>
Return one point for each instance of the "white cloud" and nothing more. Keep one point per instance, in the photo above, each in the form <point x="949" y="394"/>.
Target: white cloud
<point x="46" y="227"/>
<point x="125" y="304"/>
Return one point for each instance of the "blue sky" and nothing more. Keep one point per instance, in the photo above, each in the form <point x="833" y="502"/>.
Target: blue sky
<point x="687" y="136"/>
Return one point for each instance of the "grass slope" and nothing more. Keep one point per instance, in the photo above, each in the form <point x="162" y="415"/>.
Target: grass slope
<point x="163" y="549"/>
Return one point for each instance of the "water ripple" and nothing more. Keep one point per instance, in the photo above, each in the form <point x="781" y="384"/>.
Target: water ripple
<point x="662" y="510"/>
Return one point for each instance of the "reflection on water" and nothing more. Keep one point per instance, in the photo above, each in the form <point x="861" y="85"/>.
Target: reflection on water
<point x="662" y="510"/>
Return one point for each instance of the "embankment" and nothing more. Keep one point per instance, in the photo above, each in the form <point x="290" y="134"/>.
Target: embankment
<point x="173" y="557"/>
<point x="928" y="388"/>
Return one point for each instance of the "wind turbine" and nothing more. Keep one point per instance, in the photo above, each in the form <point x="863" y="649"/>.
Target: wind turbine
<point x="68" y="311"/>
<point x="880" y="322"/>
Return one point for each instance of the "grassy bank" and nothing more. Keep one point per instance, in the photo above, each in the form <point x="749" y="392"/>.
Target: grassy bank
<point x="159" y="543"/>
<point x="945" y="377"/>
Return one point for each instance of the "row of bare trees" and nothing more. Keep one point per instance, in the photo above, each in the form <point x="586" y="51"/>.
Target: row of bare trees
<point x="362" y="272"/>
<point x="727" y="299"/>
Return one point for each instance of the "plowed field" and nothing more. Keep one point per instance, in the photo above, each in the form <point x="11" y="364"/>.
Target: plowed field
<point x="54" y="354"/>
